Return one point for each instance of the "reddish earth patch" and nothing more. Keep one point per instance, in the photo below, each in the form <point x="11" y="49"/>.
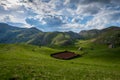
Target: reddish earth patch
<point x="65" y="55"/>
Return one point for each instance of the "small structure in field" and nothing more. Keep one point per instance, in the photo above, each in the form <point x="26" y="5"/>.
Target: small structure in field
<point x="66" y="55"/>
<point x="80" y="48"/>
<point x="111" y="46"/>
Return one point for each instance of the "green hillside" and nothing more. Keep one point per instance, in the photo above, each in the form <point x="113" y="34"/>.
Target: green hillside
<point x="89" y="34"/>
<point x="95" y="33"/>
<point x="11" y="34"/>
<point x="109" y="36"/>
<point x="27" y="62"/>
<point x="21" y="61"/>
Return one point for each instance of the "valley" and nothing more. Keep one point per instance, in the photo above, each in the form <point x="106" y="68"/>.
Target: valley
<point x="25" y="54"/>
<point x="26" y="62"/>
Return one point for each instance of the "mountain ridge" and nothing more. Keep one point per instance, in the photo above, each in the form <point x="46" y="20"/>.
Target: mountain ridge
<point x="10" y="34"/>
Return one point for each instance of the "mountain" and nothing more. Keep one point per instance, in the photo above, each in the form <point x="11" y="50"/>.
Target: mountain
<point x="110" y="35"/>
<point x="54" y="38"/>
<point x="88" y="34"/>
<point x="11" y="34"/>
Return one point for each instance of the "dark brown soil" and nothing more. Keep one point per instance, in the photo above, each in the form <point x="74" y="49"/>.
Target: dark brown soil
<point x="65" y="55"/>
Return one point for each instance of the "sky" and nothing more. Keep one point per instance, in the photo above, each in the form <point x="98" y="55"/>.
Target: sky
<point x="60" y="15"/>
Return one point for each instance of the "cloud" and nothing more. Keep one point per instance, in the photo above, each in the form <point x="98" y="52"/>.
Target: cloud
<point x="104" y="18"/>
<point x="46" y="1"/>
<point x="61" y="15"/>
<point x="53" y="21"/>
<point x="32" y="22"/>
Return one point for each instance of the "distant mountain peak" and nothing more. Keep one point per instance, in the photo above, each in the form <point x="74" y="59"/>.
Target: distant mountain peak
<point x="111" y="28"/>
<point x="34" y="28"/>
<point x="93" y="33"/>
<point x="10" y="34"/>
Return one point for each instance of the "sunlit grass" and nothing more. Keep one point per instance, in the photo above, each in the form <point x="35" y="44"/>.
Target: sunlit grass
<point x="28" y="62"/>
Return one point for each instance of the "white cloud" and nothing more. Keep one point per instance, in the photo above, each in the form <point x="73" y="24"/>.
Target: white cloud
<point x="101" y="19"/>
<point x="66" y="13"/>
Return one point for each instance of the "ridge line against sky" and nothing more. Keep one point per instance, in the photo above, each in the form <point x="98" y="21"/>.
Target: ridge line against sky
<point x="61" y="15"/>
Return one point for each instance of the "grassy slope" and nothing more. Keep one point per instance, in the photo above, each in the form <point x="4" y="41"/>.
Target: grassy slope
<point x="27" y="62"/>
<point x="110" y="36"/>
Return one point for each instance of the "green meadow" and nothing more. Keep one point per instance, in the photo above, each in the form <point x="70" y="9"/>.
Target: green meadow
<point x="29" y="62"/>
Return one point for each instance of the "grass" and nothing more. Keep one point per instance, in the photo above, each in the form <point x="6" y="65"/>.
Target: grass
<point x="28" y="62"/>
